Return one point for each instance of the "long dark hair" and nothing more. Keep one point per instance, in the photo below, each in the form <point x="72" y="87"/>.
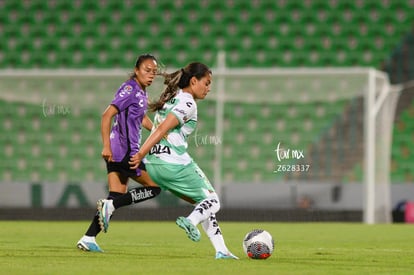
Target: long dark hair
<point x="139" y="61"/>
<point x="179" y="80"/>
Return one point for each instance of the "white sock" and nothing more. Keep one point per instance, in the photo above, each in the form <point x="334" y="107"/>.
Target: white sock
<point x="88" y="239"/>
<point x="206" y="208"/>
<point x="213" y="231"/>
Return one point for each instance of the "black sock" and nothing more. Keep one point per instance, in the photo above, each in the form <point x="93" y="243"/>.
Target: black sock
<point x="114" y="195"/>
<point x="136" y="195"/>
<point x="94" y="228"/>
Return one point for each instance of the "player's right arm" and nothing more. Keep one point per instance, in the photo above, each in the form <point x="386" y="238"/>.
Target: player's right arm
<point x="106" y="121"/>
<point x="161" y="131"/>
<point x="147" y="123"/>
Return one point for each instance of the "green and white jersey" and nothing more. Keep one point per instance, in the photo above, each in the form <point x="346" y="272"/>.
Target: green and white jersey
<point x="172" y="149"/>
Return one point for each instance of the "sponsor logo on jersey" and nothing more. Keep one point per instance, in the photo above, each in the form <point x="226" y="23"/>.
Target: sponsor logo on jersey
<point x="160" y="149"/>
<point x="183" y="112"/>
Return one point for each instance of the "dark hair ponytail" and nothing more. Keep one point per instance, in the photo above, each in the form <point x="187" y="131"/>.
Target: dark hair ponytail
<point x="179" y="80"/>
<point x="171" y="80"/>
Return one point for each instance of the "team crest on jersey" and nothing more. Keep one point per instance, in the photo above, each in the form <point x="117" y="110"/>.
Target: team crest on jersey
<point x="127" y="88"/>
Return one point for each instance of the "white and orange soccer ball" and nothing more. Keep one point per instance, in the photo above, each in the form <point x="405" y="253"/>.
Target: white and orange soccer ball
<point x="258" y="244"/>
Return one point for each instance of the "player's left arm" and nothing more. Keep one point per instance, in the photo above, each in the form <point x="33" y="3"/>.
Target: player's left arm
<point x="147" y="123"/>
<point x="170" y="122"/>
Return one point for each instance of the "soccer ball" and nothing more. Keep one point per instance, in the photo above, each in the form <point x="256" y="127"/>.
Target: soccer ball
<point x="258" y="244"/>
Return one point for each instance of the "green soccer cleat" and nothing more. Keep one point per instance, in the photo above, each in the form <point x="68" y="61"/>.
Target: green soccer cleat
<point x="192" y="231"/>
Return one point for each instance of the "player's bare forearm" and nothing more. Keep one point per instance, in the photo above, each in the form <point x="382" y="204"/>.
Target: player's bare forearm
<point x="105" y="131"/>
<point x="169" y="123"/>
<point x="153" y="139"/>
<point x="106" y="121"/>
<point x="106" y="125"/>
<point x="147" y="123"/>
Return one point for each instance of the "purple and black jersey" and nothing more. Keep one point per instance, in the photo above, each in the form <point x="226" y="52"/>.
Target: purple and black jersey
<point x="131" y="102"/>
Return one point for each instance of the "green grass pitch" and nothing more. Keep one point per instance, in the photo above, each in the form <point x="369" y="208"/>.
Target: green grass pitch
<point x="162" y="248"/>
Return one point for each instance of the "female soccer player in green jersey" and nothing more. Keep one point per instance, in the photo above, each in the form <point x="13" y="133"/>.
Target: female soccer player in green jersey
<point x="167" y="160"/>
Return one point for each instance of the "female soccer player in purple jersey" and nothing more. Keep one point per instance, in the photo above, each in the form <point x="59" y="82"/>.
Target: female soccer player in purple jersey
<point x="121" y="142"/>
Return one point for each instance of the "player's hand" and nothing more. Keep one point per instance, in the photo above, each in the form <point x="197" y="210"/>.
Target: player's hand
<point x="107" y="154"/>
<point x="134" y="161"/>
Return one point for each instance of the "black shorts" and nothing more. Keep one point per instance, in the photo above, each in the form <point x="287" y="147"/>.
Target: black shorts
<point x="124" y="169"/>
